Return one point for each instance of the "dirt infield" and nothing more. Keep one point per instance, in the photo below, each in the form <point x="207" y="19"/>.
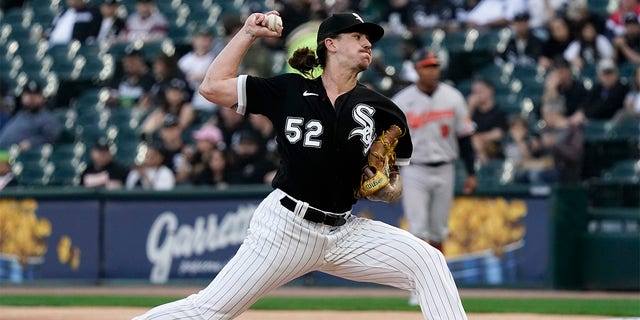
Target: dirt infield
<point x="114" y="313"/>
<point x="94" y="313"/>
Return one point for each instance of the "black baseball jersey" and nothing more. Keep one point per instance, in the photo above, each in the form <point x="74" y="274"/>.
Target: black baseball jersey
<point x="323" y="149"/>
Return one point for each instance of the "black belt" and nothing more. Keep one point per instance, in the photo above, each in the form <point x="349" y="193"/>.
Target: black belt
<point x="314" y="215"/>
<point x="434" y="164"/>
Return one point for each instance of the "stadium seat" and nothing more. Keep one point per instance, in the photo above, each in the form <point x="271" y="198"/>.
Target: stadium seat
<point x="150" y="50"/>
<point x="596" y="130"/>
<point x="33" y="174"/>
<point x="627" y="130"/>
<point x="432" y="39"/>
<point x="492" y="173"/>
<point x="489" y="41"/>
<point x="39" y="155"/>
<point x="391" y="47"/>
<point x="15" y="17"/>
<point x="126" y="152"/>
<point x="460" y="41"/>
<point x="66" y="173"/>
<point x="624" y="170"/>
<point x="32" y="51"/>
<point x="65" y="152"/>
<point x="64" y="52"/>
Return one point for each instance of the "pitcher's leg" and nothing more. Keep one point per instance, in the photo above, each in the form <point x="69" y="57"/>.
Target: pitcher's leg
<point x="372" y="251"/>
<point x="277" y="250"/>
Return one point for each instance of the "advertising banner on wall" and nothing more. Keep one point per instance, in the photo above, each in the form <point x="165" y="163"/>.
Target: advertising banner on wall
<point x="42" y="239"/>
<point x="493" y="240"/>
<point x="162" y="240"/>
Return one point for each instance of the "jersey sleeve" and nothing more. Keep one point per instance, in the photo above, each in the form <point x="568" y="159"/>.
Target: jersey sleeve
<point x="261" y="95"/>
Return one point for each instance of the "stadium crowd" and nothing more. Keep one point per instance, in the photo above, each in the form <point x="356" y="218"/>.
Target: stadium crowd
<point x="104" y="93"/>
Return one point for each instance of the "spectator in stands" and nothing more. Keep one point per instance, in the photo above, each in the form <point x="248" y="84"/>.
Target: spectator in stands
<point x="398" y="19"/>
<point x="215" y="172"/>
<point x="542" y="13"/>
<point x="565" y="142"/>
<point x="111" y="24"/>
<point x="206" y="139"/>
<point x="103" y="171"/>
<point x="516" y="146"/>
<point x="7" y="178"/>
<point x="194" y="65"/>
<point x="561" y="82"/>
<point x="134" y="87"/>
<point x="588" y="48"/>
<point x="33" y="125"/>
<point x="146" y="24"/>
<point x="437" y="14"/>
<point x="578" y="14"/>
<point x="294" y="13"/>
<point x="490" y="121"/>
<point x="493" y="13"/>
<point x="410" y="46"/>
<point x="263" y="127"/>
<point x="166" y="70"/>
<point x="627" y="45"/>
<point x="229" y="121"/>
<point x="558" y="41"/>
<point x="524" y="48"/>
<point x="170" y="138"/>
<point x="405" y="17"/>
<point x="231" y="24"/>
<point x="631" y="108"/>
<point x="152" y="174"/>
<point x="78" y="22"/>
<point x="175" y="101"/>
<point x="6" y="105"/>
<point x="615" y="24"/>
<point x="607" y="95"/>
<point x="5" y="5"/>
<point x="535" y="164"/>
<point x="248" y="165"/>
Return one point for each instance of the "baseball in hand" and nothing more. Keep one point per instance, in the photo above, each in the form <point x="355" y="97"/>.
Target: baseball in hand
<point x="274" y="22"/>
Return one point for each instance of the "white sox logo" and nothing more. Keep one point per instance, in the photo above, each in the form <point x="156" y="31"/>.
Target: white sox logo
<point x="363" y="115"/>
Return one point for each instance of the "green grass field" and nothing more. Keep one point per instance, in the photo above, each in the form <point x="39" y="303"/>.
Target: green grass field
<point x="605" y="307"/>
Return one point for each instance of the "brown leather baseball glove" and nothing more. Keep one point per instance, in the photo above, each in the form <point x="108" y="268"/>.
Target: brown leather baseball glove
<point x="380" y="179"/>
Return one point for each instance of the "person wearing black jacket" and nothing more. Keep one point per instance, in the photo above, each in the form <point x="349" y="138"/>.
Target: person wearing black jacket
<point x="78" y="22"/>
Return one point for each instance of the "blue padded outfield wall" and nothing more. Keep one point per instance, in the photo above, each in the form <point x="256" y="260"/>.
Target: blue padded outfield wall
<point x="167" y="237"/>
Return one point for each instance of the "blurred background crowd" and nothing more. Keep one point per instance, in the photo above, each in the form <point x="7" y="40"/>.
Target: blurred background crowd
<point x="103" y="93"/>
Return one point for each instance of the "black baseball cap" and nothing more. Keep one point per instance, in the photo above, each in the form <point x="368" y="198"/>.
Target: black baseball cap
<point x="101" y="144"/>
<point x="32" y="86"/>
<point x="177" y="83"/>
<point x="630" y="17"/>
<point x="521" y="16"/>
<point x="348" y="22"/>
<point x="110" y="2"/>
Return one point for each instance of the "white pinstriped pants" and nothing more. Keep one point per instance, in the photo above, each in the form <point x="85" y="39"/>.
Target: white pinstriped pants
<point x="281" y="246"/>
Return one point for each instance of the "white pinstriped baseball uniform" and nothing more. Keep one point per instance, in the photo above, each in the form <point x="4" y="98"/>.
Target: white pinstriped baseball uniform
<point x="282" y="246"/>
<point x="435" y="123"/>
<point x="305" y="224"/>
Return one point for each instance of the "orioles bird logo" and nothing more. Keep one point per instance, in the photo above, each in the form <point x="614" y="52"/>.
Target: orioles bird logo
<point x="363" y="115"/>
